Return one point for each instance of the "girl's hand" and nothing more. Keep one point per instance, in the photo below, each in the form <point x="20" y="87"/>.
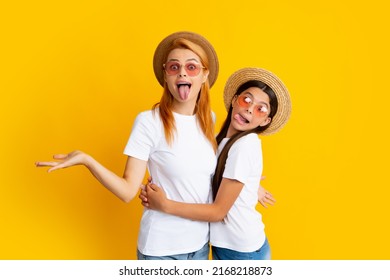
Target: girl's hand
<point x="156" y="197"/>
<point x="64" y="160"/>
<point x="143" y="195"/>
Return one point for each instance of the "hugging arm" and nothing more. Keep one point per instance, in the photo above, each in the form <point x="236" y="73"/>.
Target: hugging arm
<point x="155" y="198"/>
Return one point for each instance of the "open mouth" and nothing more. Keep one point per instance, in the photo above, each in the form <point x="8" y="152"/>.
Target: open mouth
<point x="184" y="90"/>
<point x="183" y="84"/>
<point x="241" y="119"/>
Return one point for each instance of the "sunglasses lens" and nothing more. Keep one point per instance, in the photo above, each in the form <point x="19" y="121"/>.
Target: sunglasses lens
<point x="173" y="68"/>
<point x="245" y="102"/>
<point x="192" y="69"/>
<point x="260" y="110"/>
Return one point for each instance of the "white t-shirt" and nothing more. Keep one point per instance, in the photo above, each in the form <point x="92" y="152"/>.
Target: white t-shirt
<point x="184" y="170"/>
<point x="242" y="230"/>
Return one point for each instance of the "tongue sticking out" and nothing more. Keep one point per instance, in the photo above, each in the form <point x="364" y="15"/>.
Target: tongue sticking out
<point x="240" y="119"/>
<point x="184" y="91"/>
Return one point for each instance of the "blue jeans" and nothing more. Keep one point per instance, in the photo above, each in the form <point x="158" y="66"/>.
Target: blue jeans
<point x="202" y="254"/>
<point x="264" y="253"/>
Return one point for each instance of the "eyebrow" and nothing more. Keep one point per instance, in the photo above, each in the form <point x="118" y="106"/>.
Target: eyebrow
<point x="190" y="59"/>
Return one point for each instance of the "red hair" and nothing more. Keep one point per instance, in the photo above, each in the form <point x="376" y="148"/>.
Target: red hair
<point x="202" y="108"/>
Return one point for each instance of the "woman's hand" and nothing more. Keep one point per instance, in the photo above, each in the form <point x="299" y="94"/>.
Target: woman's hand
<point x="65" y="160"/>
<point x="265" y="197"/>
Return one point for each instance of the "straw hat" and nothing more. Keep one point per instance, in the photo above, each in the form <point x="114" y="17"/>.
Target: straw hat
<point x="248" y="74"/>
<point x="162" y="48"/>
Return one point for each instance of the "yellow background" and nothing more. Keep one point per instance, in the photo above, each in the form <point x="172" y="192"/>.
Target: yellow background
<point x="74" y="74"/>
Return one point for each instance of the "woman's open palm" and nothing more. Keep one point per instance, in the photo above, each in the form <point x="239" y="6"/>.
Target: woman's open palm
<point x="64" y="160"/>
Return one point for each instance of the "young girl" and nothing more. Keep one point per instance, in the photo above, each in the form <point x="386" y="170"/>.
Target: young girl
<point x="162" y="140"/>
<point x="257" y="103"/>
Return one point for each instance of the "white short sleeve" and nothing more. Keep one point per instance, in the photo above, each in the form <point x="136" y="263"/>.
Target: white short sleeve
<point x="143" y="136"/>
<point x="243" y="156"/>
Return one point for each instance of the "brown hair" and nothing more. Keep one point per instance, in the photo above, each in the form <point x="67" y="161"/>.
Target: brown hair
<point x="202" y="108"/>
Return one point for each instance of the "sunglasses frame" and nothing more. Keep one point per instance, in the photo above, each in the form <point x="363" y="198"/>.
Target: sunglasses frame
<point x="189" y="72"/>
<point x="260" y="110"/>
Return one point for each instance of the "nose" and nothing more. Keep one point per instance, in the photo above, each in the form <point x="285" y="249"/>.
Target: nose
<point x="250" y="109"/>
<point x="182" y="71"/>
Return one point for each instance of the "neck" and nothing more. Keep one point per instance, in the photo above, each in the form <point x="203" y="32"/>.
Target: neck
<point x="231" y="131"/>
<point x="184" y="108"/>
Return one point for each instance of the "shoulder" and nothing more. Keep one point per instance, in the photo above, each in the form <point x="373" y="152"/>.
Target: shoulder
<point x="245" y="153"/>
<point x="248" y="145"/>
<point x="149" y="116"/>
<point x="146" y="114"/>
<point x="250" y="139"/>
<point x="148" y="122"/>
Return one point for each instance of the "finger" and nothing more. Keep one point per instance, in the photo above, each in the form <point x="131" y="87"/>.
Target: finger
<point x="60" y="156"/>
<point x="148" y="188"/>
<point x="58" y="166"/>
<point x="144" y="194"/>
<point x="149" y="179"/>
<point x="145" y="204"/>
<point x="270" y="202"/>
<point x="262" y="203"/>
<point x="270" y="197"/>
<point x="268" y="194"/>
<point x="153" y="187"/>
<point x="45" y="163"/>
<point x="262" y="178"/>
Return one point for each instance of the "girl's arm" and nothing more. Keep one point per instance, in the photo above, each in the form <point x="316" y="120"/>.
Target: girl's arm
<point x="124" y="188"/>
<point x="227" y="194"/>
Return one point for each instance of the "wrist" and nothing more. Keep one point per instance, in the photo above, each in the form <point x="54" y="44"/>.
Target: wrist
<point x="168" y="206"/>
<point x="87" y="160"/>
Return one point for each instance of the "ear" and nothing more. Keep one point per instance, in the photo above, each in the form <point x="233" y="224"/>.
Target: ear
<point x="233" y="100"/>
<point x="205" y="75"/>
<point x="266" y="121"/>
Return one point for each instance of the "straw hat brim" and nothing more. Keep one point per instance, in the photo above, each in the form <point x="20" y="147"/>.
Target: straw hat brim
<point x="160" y="54"/>
<point x="248" y="74"/>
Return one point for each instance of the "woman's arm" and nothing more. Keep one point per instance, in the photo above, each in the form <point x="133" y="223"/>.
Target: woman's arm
<point x="124" y="188"/>
<point x="217" y="211"/>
